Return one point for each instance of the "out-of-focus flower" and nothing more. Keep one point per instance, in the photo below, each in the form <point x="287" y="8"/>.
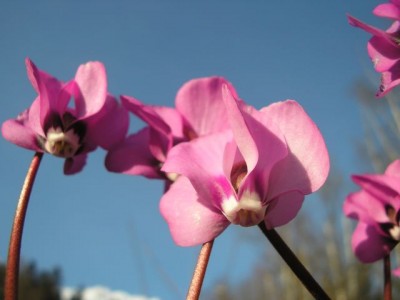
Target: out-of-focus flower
<point x="199" y="111"/>
<point x="377" y="208"/>
<point x="258" y="170"/>
<point x="69" y="129"/>
<point x="384" y="46"/>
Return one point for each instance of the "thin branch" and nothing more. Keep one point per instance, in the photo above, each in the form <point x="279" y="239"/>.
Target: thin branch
<point x="387" y="288"/>
<point x="294" y="263"/>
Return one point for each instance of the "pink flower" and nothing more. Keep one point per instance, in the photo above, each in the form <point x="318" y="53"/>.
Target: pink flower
<point x="383" y="47"/>
<point x="377" y="208"/>
<point x="199" y="111"/>
<point x="258" y="170"/>
<point x="70" y="130"/>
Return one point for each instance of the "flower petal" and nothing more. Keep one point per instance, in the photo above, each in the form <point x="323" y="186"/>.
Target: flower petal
<point x="387" y="10"/>
<point x="200" y="103"/>
<point x="190" y="222"/>
<point x="306" y="166"/>
<point x="112" y="127"/>
<point x="133" y="157"/>
<point x="74" y="164"/>
<point x="92" y="81"/>
<point x="202" y="161"/>
<point x="283" y="209"/>
<point x="368" y="244"/>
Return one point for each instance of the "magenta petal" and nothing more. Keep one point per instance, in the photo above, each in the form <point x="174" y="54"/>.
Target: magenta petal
<point x="383" y="54"/>
<point x="365" y="208"/>
<point x="133" y="157"/>
<point x="393" y="169"/>
<point x="306" y="166"/>
<point x="396" y="272"/>
<point x="387" y="10"/>
<point x="283" y="209"/>
<point x="190" y="222"/>
<point x="92" y="81"/>
<point x="368" y="244"/>
<point x="202" y="161"/>
<point x="200" y="103"/>
<point x="16" y="132"/>
<point x="74" y="164"/>
<point x="112" y="127"/>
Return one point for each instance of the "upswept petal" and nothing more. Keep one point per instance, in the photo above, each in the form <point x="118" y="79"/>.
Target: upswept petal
<point x="371" y="29"/>
<point x="16" y="132"/>
<point x="365" y="208"/>
<point x="190" y="222"/>
<point x="46" y="86"/>
<point x="161" y="139"/>
<point x="387" y="10"/>
<point x="200" y="103"/>
<point x="368" y="244"/>
<point x="383" y="187"/>
<point x="111" y="128"/>
<point x="283" y="209"/>
<point x="201" y="160"/>
<point x="74" y="164"/>
<point x="172" y="118"/>
<point x="133" y="157"/>
<point x="306" y="166"/>
<point x="92" y="81"/>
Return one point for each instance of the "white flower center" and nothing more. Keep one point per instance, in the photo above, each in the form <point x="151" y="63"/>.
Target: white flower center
<point x="246" y="212"/>
<point x="60" y="143"/>
<point x="395" y="232"/>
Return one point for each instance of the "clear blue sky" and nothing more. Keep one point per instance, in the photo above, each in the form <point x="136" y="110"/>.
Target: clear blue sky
<point x="104" y="228"/>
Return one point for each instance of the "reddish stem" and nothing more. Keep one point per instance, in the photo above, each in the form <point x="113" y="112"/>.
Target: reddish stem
<point x="14" y="250"/>
<point x="200" y="271"/>
<point x="387" y="288"/>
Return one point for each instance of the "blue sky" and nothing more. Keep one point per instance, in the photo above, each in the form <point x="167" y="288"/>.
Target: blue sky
<point x="104" y="228"/>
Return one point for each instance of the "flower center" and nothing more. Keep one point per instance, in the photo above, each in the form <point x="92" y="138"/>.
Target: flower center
<point x="60" y="143"/>
<point x="392" y="227"/>
<point x="247" y="212"/>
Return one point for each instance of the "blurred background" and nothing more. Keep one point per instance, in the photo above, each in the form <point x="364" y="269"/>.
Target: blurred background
<point x="102" y="232"/>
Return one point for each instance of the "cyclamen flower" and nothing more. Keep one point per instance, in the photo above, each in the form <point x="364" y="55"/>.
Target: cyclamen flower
<point x="384" y="46"/>
<point x="257" y="171"/>
<point x="199" y="111"/>
<point x="53" y="125"/>
<point x="377" y="208"/>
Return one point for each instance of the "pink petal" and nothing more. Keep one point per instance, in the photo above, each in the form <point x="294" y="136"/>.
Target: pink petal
<point x="92" y="81"/>
<point x="161" y="139"/>
<point x="47" y="87"/>
<point x="383" y="54"/>
<point x="112" y="127"/>
<point x="190" y="222"/>
<point x="283" y="209"/>
<point x="172" y="118"/>
<point x="306" y="166"/>
<point x="368" y="244"/>
<point x="365" y="208"/>
<point x="74" y="164"/>
<point x="200" y="103"/>
<point x="389" y="80"/>
<point x="16" y="132"/>
<point x="393" y="169"/>
<point x="396" y="272"/>
<point x="371" y="29"/>
<point x="133" y="157"/>
<point x="201" y="160"/>
<point x="387" y="10"/>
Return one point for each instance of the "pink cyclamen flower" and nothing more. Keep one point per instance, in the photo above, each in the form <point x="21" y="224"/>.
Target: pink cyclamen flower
<point x="377" y="208"/>
<point x="256" y="171"/>
<point x="384" y="46"/>
<point x="199" y="111"/>
<point x="69" y="130"/>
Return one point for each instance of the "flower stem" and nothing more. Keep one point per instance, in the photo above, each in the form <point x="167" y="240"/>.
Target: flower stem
<point x="12" y="270"/>
<point x="294" y="263"/>
<point x="387" y="289"/>
<point x="200" y="271"/>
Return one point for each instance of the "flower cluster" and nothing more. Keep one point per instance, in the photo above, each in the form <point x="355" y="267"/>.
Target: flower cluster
<point x="384" y="46"/>
<point x="223" y="160"/>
